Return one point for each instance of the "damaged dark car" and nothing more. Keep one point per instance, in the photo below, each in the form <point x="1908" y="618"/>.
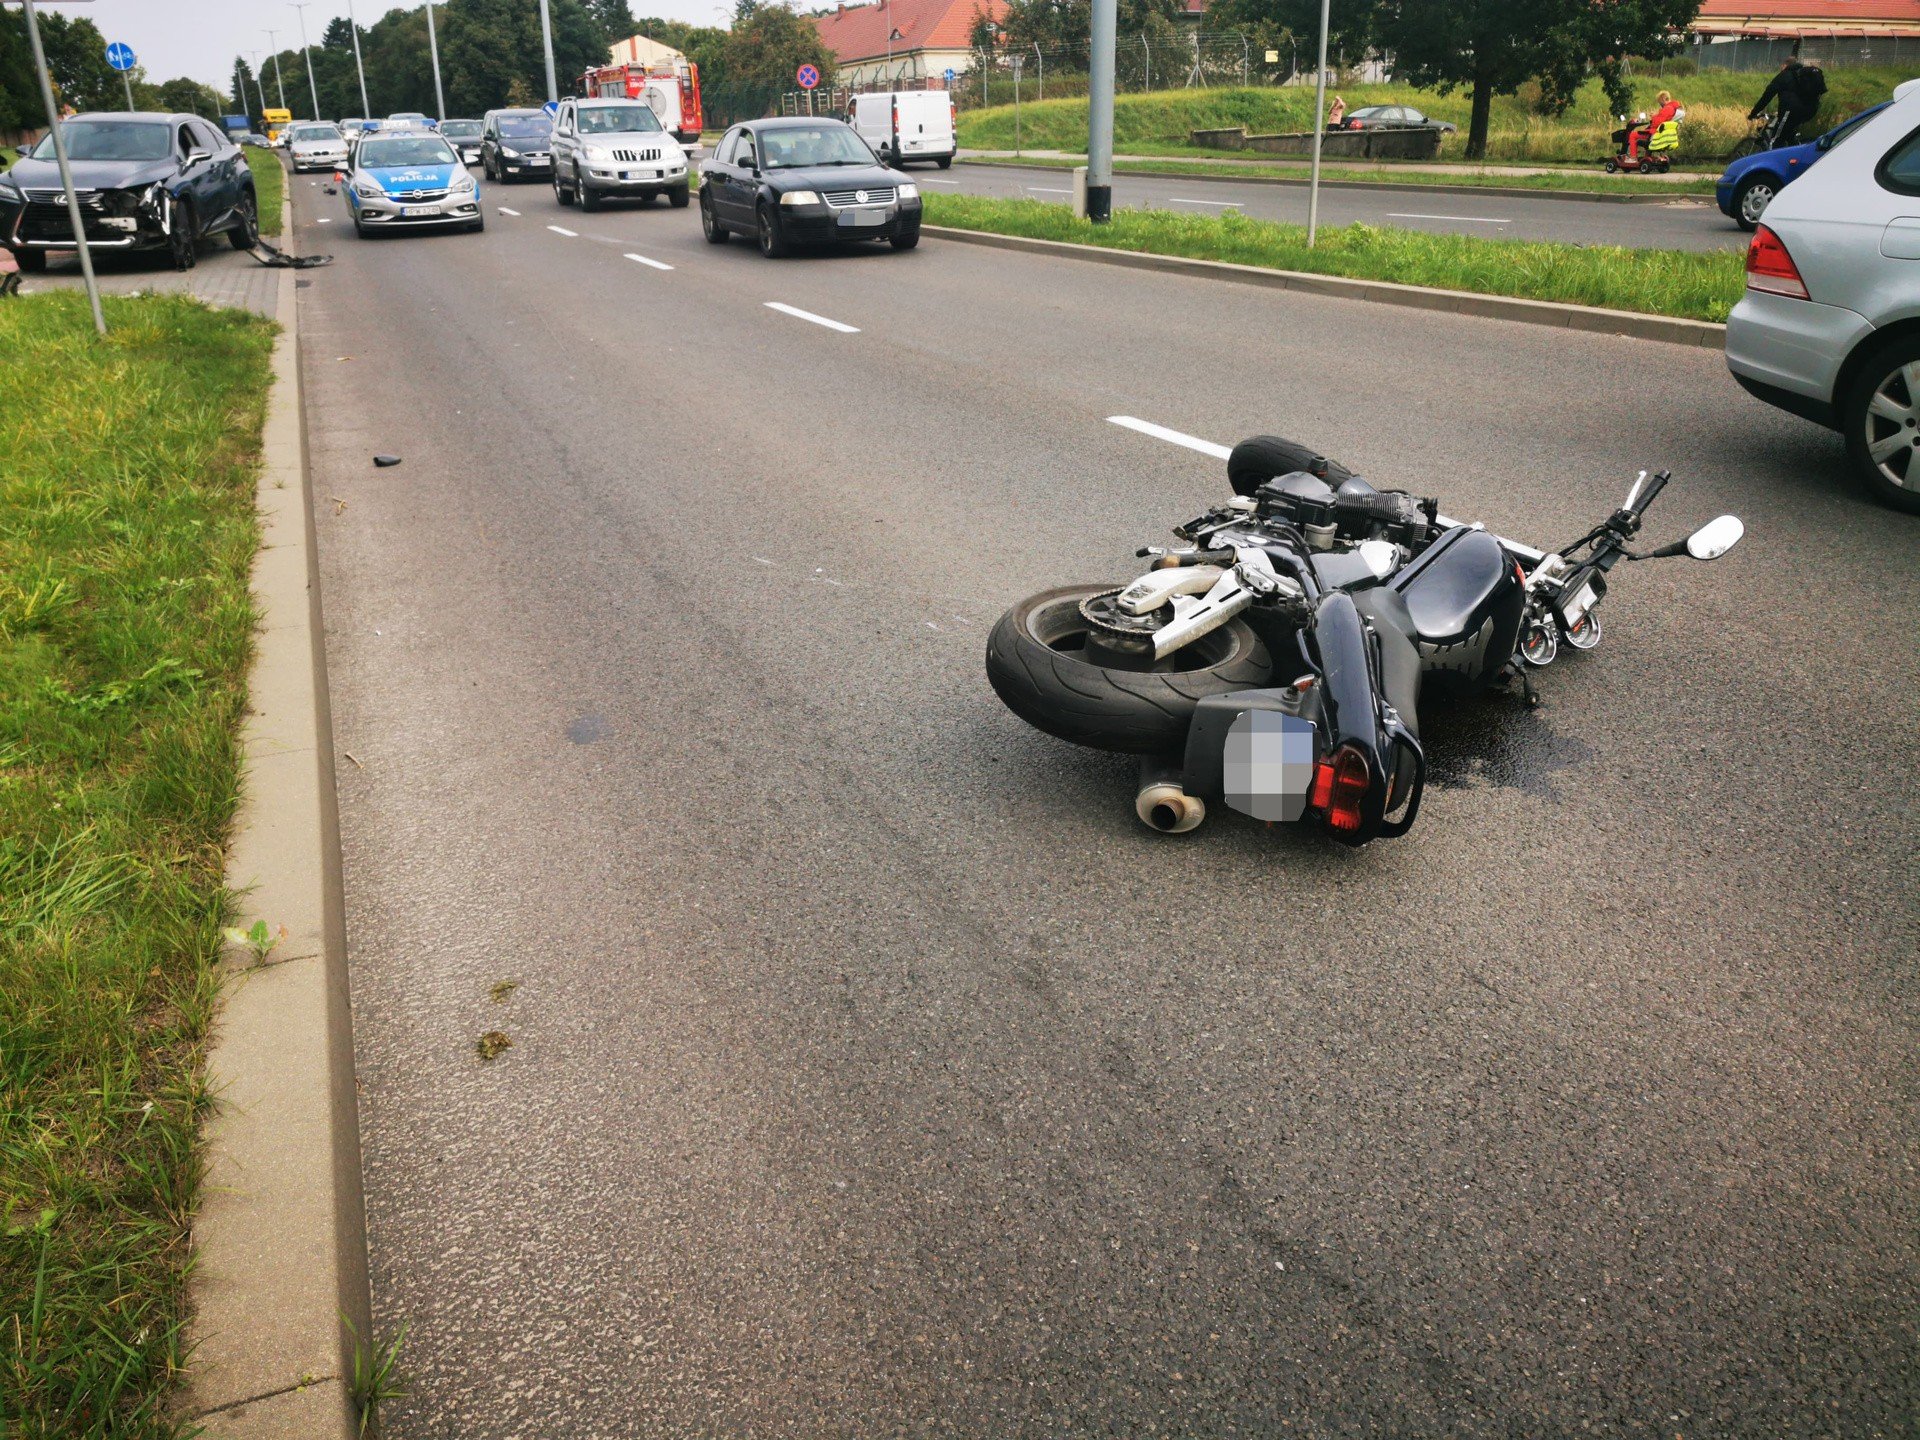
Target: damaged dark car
<point x="144" y="182"/>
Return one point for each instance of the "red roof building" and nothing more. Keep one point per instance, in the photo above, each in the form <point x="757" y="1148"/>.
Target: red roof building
<point x="902" y="40"/>
<point x="1842" y="19"/>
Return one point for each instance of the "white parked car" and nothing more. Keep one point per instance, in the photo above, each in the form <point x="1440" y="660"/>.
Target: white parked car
<point x="1830" y="326"/>
<point x="903" y="125"/>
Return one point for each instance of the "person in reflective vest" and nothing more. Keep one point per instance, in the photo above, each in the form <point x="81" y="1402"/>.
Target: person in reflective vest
<point x="1661" y="131"/>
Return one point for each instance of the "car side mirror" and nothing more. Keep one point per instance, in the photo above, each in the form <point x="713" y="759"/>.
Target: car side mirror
<point x="1715" y="538"/>
<point x="194" y="157"/>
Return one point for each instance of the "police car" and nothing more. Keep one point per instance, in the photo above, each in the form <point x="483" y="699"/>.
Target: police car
<point x="406" y="182"/>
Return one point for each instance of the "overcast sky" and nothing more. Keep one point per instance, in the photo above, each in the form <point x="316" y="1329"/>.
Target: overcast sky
<point x="199" y="38"/>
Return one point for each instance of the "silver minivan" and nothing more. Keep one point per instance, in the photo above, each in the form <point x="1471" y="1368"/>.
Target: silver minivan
<point x="613" y="148"/>
<point x="1830" y="325"/>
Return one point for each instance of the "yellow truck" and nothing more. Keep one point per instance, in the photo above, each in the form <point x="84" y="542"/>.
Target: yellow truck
<point x="276" y="121"/>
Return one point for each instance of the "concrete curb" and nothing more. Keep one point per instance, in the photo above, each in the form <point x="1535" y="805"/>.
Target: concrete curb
<point x="1419" y="297"/>
<point x="1173" y="172"/>
<point x="280" y="1240"/>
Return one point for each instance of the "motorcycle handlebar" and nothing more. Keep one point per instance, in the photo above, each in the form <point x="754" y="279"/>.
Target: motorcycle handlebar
<point x="1637" y="506"/>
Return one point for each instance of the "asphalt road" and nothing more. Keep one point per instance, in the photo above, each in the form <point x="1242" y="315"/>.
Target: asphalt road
<point x="1684" y="223"/>
<point x="874" y="1072"/>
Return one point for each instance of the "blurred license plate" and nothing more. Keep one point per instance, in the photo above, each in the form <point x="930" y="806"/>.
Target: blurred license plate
<point x="863" y="217"/>
<point x="411" y="210"/>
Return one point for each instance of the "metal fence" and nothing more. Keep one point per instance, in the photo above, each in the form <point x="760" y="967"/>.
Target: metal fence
<point x="1833" y="51"/>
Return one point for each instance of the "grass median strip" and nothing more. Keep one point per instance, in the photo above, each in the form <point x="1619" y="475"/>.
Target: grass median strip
<point x="269" y="186"/>
<point x="127" y="533"/>
<point x="1692" y="285"/>
<point x="1598" y="183"/>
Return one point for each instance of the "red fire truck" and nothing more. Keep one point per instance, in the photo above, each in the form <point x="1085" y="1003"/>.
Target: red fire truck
<point x="670" y="87"/>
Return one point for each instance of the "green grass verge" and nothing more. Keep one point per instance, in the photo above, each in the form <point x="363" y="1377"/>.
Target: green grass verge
<point x="127" y="530"/>
<point x="1692" y="285"/>
<point x="1597" y="183"/>
<point x="1149" y="124"/>
<point x="269" y="186"/>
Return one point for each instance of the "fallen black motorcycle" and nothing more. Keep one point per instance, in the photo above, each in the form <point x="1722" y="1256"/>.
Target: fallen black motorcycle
<point x="1278" y="657"/>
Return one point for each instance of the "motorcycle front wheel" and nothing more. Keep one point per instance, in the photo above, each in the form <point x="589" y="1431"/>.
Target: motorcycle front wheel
<point x="1039" y="664"/>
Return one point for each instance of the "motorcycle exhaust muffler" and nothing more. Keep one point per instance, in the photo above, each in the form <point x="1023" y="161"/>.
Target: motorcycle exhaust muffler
<point x="1162" y="802"/>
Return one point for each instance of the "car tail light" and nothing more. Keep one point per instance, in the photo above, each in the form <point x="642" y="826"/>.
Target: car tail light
<point x="1771" y="268"/>
<point x="1340" y="788"/>
<point x="953" y="115"/>
<point x="896" y="122"/>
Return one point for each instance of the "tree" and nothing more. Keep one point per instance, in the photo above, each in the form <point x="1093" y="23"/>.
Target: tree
<point x="1494" y="46"/>
<point x="20" y="106"/>
<point x="77" y="61"/>
<point x="616" y="22"/>
<point x="769" y="46"/>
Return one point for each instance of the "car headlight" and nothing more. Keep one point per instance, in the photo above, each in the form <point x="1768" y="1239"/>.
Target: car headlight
<point x="367" y="190"/>
<point x="907" y="192"/>
<point x="7" y="192"/>
<point x="511" y="154"/>
<point x="593" y="152"/>
<point x="462" y="184"/>
<point x="800" y="197"/>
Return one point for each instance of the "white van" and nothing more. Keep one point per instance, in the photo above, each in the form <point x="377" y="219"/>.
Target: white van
<point x="903" y="125"/>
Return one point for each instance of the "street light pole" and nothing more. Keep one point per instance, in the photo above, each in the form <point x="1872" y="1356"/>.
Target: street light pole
<point x="433" y="44"/>
<point x="66" y="170"/>
<point x="279" y="83"/>
<point x="1100" y="114"/>
<point x="366" y="105"/>
<point x="546" y="39"/>
<point x="1319" y="128"/>
<point x="313" y="90"/>
<point x="259" y="83"/>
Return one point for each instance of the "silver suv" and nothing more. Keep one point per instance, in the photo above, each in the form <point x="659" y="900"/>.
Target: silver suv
<point x="605" y="148"/>
<point x="1830" y="326"/>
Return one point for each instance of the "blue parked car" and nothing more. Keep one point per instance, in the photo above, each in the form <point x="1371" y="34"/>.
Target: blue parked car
<point x="1751" y="182"/>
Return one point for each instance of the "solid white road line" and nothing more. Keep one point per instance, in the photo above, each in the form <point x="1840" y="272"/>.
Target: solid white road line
<point x="1469" y="219"/>
<point x="505" y="211"/>
<point x="931" y="181"/>
<point x="1182" y="200"/>
<point x="1045" y="190"/>
<point x="561" y="230"/>
<point x="1160" y="432"/>
<point x="656" y="264"/>
<point x="816" y="319"/>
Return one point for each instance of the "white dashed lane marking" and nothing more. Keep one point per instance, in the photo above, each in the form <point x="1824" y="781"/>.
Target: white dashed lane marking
<point x="816" y="319"/>
<point x="643" y="260"/>
<point x="1468" y="219"/>
<point x="505" y="211"/>
<point x="1161" y="432"/>
<point x="562" y="230"/>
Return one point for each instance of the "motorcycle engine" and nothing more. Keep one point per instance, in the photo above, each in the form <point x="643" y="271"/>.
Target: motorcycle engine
<point x="1353" y="513"/>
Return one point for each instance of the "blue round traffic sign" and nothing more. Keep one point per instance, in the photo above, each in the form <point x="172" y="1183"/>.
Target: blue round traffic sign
<point x="552" y="107"/>
<point x="949" y="78"/>
<point x="120" y="57"/>
<point x="808" y="76"/>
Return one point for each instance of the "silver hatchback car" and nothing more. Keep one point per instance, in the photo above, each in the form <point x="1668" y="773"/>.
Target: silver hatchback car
<point x="1830" y="326"/>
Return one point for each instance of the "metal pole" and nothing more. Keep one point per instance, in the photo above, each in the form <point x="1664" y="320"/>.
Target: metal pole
<point x="1100" y="114"/>
<point x="1319" y="123"/>
<point x="1016" y="102"/>
<point x="1041" y="60"/>
<point x="313" y="90"/>
<point x="126" y="78"/>
<point x="66" y="170"/>
<point x="546" y="39"/>
<point x="260" y="84"/>
<point x="433" y="44"/>
<point x="279" y="83"/>
<point x="366" y="105"/>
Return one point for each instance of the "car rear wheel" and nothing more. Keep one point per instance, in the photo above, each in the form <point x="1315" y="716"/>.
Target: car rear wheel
<point x="945" y="162"/>
<point x="560" y="191"/>
<point x="710" y="225"/>
<point x="1750" y="201"/>
<point x="1881" y="413"/>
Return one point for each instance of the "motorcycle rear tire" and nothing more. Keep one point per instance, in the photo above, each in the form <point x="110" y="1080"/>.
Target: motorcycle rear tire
<point x="1256" y="461"/>
<point x="1138" y="712"/>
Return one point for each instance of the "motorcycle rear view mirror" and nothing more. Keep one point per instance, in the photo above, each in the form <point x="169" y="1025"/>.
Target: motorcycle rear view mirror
<point x="1709" y="542"/>
<point x="1715" y="538"/>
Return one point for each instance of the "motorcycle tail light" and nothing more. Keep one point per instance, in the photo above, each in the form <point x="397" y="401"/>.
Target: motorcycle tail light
<point x="1340" y="788"/>
<point x="1771" y="268"/>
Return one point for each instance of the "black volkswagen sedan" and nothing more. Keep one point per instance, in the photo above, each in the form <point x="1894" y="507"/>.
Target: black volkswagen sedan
<point x="144" y="182"/>
<point x="794" y="182"/>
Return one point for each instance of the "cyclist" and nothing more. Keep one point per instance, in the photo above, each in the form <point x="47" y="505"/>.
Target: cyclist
<point x="1798" y="87"/>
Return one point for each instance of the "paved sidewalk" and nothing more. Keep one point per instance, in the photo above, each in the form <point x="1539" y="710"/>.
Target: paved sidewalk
<point x="224" y="276"/>
<point x="1491" y="173"/>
